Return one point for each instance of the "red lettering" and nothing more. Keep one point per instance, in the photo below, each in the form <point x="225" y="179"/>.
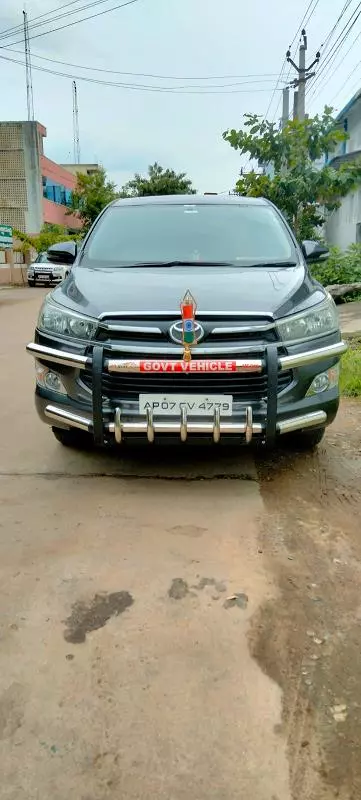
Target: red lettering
<point x="206" y="365"/>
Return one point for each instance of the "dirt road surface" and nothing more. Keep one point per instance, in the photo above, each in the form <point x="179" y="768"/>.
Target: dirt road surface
<point x="174" y="624"/>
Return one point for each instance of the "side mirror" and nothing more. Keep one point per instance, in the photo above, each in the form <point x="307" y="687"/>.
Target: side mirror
<point x="62" y="253"/>
<point x="312" y="251"/>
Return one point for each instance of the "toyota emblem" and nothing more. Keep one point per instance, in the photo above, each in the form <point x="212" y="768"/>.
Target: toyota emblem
<point x="176" y="332"/>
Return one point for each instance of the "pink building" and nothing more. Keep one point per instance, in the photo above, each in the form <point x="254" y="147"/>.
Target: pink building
<point x="33" y="189"/>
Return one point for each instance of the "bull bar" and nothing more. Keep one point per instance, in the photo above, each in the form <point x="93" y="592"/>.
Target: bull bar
<point x="271" y="363"/>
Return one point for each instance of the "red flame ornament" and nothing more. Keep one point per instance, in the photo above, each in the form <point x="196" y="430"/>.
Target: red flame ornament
<point x="188" y="308"/>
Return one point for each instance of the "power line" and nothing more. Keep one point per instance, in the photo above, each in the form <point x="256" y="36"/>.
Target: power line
<point x="337" y="45"/>
<point x="149" y="74"/>
<point x="59" y="16"/>
<point x="332" y="31"/>
<point x="315" y="96"/>
<point x="75" y="22"/>
<point x="304" y="22"/>
<point x="141" y="87"/>
<point x="17" y="28"/>
<point x="346" y="80"/>
<point x="309" y="11"/>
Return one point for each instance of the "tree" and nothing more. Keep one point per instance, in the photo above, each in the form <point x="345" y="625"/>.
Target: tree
<point x="92" y="194"/>
<point x="298" y="185"/>
<point x="158" y="181"/>
<point x="49" y="234"/>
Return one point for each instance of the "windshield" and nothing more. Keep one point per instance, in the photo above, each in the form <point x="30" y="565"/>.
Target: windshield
<point x="42" y="258"/>
<point x="159" y="233"/>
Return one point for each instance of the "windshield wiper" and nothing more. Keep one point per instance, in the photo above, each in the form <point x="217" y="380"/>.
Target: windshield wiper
<point x="271" y="264"/>
<point x="180" y="263"/>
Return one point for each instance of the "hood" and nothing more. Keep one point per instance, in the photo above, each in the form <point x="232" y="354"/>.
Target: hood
<point x="274" y="292"/>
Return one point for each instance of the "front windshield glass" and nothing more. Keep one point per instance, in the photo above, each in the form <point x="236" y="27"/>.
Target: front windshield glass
<point x="154" y="233"/>
<point x="42" y="258"/>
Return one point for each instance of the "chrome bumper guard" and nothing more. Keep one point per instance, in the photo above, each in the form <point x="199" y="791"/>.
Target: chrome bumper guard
<point x="101" y="425"/>
<point x="208" y="364"/>
<point x="183" y="427"/>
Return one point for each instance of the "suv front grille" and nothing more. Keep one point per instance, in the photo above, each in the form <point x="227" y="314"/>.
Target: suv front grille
<point x="128" y="386"/>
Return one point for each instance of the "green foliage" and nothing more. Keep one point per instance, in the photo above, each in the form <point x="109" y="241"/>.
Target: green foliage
<point x="159" y="181"/>
<point x="92" y="194"/>
<point x="298" y="186"/>
<point x="339" y="267"/>
<point x="49" y="234"/>
<point x="350" y="379"/>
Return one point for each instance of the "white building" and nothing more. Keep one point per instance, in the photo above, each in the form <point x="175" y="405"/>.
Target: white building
<point x="343" y="227"/>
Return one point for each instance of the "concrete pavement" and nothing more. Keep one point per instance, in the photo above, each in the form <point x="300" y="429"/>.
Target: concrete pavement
<point x="350" y="317"/>
<point x="125" y="670"/>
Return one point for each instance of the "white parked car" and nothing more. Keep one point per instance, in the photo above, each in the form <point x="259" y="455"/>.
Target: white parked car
<point x="43" y="271"/>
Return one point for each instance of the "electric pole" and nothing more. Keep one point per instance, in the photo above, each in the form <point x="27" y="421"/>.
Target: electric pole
<point x="304" y="74"/>
<point x="29" y="80"/>
<point x="285" y="106"/>
<point x="76" y="138"/>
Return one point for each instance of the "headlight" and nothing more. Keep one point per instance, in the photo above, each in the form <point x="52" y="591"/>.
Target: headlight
<point x="317" y="321"/>
<point x="55" y="319"/>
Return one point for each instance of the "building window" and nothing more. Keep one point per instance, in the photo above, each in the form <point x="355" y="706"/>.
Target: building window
<point x="56" y="192"/>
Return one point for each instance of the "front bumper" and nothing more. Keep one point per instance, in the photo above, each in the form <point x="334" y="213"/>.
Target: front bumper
<point x="262" y="420"/>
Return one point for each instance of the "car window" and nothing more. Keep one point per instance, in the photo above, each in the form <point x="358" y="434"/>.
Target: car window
<point x="201" y="232"/>
<point x="42" y="258"/>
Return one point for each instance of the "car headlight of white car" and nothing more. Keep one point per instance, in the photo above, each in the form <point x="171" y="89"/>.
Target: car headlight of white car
<point x="55" y="319"/>
<point x="316" y="321"/>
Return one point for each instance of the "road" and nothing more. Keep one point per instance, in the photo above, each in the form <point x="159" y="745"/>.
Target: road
<point x="126" y="671"/>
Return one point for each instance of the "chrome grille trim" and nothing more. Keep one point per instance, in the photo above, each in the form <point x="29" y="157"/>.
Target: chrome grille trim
<point x="130" y="329"/>
<point x="174" y="313"/>
<point x="242" y="329"/>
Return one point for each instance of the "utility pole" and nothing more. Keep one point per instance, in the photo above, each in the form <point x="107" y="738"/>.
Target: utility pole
<point x="76" y="138"/>
<point x="304" y="74"/>
<point x="285" y="106"/>
<point x="29" y="80"/>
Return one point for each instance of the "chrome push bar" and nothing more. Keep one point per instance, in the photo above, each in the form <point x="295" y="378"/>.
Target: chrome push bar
<point x="183" y="427"/>
<point x="208" y="365"/>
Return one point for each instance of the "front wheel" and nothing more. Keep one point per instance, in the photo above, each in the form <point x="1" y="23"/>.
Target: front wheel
<point x="73" y="438"/>
<point x="31" y="283"/>
<point x="306" y="439"/>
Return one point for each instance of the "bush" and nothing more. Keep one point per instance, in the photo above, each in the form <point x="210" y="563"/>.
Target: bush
<point x="339" y="267"/>
<point x="350" y="380"/>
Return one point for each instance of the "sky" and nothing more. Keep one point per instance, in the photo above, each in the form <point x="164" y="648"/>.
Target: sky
<point x="193" y="40"/>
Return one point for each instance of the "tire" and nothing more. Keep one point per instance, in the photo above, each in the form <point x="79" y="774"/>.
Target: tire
<point x="31" y="283"/>
<point x="306" y="439"/>
<point x="73" y="438"/>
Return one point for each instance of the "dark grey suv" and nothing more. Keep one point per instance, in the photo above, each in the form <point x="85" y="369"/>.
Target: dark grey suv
<point x="188" y="318"/>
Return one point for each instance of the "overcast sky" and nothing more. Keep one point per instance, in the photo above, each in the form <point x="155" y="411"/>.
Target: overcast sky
<point x="127" y="129"/>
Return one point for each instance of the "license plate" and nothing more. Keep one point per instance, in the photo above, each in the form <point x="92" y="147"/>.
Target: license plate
<point x="196" y="405"/>
<point x="42" y="277"/>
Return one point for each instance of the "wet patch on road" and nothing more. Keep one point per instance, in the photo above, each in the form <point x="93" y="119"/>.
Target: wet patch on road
<point x="178" y="589"/>
<point x="218" y="585"/>
<point x="187" y="530"/>
<point x="94" y="615"/>
<point x="12" y="703"/>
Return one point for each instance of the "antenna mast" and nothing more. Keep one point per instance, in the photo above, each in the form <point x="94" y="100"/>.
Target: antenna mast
<point x="29" y="80"/>
<point x="76" y="139"/>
